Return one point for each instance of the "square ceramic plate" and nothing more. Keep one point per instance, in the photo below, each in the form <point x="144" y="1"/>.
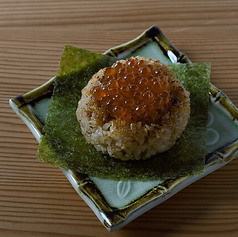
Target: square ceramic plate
<point x="117" y="203"/>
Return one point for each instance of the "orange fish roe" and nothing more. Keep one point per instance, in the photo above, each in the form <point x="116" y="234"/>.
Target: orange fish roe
<point x="135" y="90"/>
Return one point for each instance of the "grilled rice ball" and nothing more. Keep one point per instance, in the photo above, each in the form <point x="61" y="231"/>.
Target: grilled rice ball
<point x="133" y="109"/>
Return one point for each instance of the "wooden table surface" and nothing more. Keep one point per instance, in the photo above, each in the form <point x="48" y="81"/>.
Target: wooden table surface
<point x="35" y="198"/>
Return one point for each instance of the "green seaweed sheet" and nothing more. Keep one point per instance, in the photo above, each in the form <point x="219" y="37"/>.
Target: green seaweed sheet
<point x="64" y="146"/>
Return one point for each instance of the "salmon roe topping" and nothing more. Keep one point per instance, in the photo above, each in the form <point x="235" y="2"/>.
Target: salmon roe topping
<point x="135" y="90"/>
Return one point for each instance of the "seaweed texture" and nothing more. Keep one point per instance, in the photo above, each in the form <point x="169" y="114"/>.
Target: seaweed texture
<point x="63" y="145"/>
